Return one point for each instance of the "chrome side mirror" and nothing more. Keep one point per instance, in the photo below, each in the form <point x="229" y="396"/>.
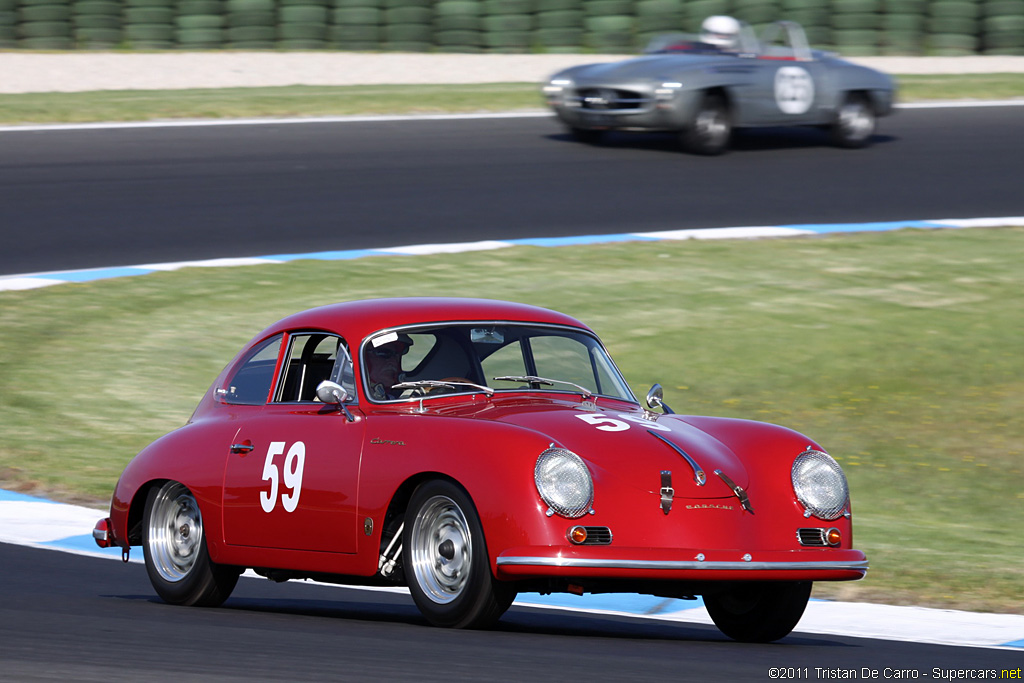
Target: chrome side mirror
<point x="655" y="399"/>
<point x="333" y="394"/>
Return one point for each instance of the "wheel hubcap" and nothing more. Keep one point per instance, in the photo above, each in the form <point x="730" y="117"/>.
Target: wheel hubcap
<point x="855" y="121"/>
<point x="711" y="126"/>
<point x="442" y="549"/>
<point x="175" y="532"/>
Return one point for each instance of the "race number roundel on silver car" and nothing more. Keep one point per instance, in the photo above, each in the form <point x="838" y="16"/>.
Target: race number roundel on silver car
<point x="794" y="90"/>
<point x="563" y="482"/>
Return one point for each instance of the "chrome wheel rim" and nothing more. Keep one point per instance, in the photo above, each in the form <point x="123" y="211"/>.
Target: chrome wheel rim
<point x="712" y="127"/>
<point x="856" y="121"/>
<point x="442" y="549"/>
<point x="175" y="532"/>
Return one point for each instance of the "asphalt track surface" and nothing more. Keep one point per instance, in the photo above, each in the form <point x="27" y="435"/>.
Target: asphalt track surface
<point x="70" y="617"/>
<point x="73" y="199"/>
<point x="78" y="199"/>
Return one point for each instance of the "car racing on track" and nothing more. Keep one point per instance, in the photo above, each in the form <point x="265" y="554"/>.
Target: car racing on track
<point x="704" y="87"/>
<point x="470" y="450"/>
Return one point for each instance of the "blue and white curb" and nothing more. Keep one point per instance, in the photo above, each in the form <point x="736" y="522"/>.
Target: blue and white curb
<point x="36" y="280"/>
<point x="40" y="523"/>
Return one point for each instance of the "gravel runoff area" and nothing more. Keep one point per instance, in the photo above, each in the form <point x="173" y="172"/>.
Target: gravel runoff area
<point x="22" y="72"/>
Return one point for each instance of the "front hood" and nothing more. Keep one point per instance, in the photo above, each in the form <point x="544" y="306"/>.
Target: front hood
<point x="622" y="444"/>
<point x="652" y="67"/>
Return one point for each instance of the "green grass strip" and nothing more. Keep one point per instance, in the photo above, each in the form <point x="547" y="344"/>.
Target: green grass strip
<point x="900" y="352"/>
<point x="299" y="101"/>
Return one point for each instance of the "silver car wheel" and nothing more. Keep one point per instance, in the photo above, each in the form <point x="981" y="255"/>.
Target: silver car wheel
<point x="855" y="122"/>
<point x="712" y="127"/>
<point x="441" y="549"/>
<point x="175" y="532"/>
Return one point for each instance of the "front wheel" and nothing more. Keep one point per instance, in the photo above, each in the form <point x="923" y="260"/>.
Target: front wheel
<point x="445" y="560"/>
<point x="758" y="612"/>
<point x="174" y="547"/>
<point x="711" y="128"/>
<point x="854" y="123"/>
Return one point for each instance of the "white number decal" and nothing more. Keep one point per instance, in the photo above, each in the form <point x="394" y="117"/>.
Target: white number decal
<point x="611" y="424"/>
<point x="294" y="463"/>
<point x="605" y="424"/>
<point x="794" y="90"/>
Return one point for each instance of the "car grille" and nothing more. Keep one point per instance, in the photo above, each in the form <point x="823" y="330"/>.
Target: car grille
<point x="598" y="535"/>
<point x="815" y="537"/>
<point x="610" y="99"/>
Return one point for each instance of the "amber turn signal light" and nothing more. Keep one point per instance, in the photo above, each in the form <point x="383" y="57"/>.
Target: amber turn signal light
<point x="577" y="534"/>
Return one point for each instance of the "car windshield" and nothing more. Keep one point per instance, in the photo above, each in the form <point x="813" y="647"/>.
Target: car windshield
<point x="488" y="358"/>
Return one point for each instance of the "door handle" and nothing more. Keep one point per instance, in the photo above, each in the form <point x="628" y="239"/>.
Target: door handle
<point x="242" y="448"/>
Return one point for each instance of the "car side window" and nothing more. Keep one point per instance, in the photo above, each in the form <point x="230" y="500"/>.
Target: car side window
<point x="310" y="360"/>
<point x="250" y="385"/>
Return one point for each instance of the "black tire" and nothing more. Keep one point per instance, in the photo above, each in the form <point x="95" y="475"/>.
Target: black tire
<point x="445" y="560"/>
<point x="854" y="123"/>
<point x="174" y="548"/>
<point x="758" y="612"/>
<point x="711" y="129"/>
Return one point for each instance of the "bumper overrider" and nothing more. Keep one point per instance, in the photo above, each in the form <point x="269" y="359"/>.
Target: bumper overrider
<point x="680" y="565"/>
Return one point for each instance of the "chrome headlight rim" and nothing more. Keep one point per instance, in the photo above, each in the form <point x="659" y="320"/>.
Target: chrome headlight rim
<point x="564" y="483"/>
<point x="820" y="485"/>
<point x="556" y="90"/>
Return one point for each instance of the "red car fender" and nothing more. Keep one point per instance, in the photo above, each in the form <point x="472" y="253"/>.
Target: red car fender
<point x="493" y="462"/>
<point x="190" y="455"/>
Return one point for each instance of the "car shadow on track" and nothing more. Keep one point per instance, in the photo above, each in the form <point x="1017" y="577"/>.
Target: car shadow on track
<point x="743" y="140"/>
<point x="398" y="610"/>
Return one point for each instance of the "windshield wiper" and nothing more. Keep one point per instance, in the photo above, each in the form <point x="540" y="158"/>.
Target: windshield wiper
<point x="436" y="384"/>
<point x="533" y="379"/>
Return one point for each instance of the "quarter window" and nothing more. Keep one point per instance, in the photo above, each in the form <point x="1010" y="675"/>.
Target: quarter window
<point x="250" y="385"/>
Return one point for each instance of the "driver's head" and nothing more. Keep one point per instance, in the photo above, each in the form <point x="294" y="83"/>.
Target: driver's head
<point x="384" y="364"/>
<point x="720" y="31"/>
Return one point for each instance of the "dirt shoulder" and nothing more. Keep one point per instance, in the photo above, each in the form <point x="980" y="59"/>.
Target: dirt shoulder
<point x="22" y="72"/>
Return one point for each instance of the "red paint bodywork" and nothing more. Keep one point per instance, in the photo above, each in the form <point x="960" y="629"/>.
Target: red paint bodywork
<point x="355" y="470"/>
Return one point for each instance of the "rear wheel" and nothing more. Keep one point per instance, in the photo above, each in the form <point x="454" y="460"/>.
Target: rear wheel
<point x="711" y="128"/>
<point x="446" y="562"/>
<point x="855" y="122"/>
<point x="174" y="547"/>
<point x="758" y="612"/>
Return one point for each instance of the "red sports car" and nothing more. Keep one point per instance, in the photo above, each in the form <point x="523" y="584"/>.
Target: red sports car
<point x="471" y="450"/>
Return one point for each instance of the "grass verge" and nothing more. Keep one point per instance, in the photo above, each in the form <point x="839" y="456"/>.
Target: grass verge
<point x="297" y="101"/>
<point x="900" y="352"/>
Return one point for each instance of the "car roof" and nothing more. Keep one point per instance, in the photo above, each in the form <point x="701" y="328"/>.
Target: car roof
<point x="357" y="319"/>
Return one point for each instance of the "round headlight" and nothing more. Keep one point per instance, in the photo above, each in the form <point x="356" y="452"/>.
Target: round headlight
<point x="563" y="482"/>
<point x="820" y="484"/>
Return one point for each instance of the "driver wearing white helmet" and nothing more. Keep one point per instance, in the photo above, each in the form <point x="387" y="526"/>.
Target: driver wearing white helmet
<point x="721" y="31"/>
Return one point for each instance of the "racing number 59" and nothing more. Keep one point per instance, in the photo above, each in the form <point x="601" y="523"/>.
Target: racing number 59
<point x="292" y="471"/>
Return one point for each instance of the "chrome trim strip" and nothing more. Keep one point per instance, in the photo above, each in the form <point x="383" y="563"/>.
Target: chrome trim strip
<point x="669" y="564"/>
<point x="698" y="471"/>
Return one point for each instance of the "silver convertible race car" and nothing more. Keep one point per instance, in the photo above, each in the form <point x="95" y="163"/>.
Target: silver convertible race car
<point x="702" y="87"/>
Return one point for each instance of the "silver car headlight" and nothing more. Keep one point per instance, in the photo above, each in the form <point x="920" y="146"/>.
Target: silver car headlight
<point x="820" y="485"/>
<point x="556" y="89"/>
<point x="564" y="483"/>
